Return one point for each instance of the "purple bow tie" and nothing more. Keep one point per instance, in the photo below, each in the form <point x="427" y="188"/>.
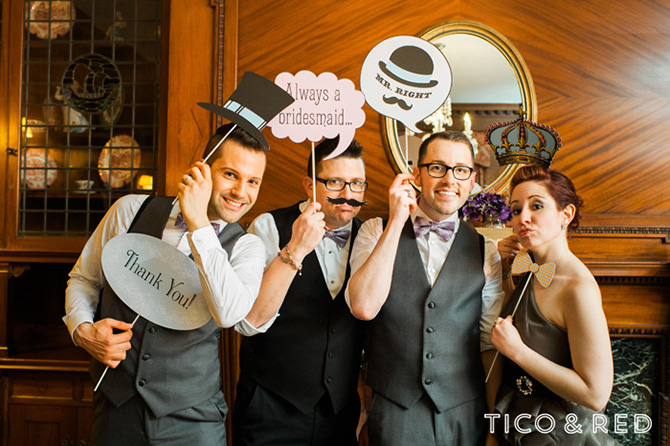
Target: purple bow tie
<point x="339" y="236"/>
<point x="444" y="229"/>
<point x="180" y="223"/>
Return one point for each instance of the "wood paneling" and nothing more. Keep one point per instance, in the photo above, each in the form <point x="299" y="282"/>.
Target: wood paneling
<point x="601" y="71"/>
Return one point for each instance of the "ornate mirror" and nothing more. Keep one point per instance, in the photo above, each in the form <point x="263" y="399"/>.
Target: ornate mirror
<point x="490" y="84"/>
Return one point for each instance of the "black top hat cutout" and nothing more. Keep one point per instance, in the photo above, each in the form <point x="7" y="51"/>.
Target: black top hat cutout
<point x="410" y="65"/>
<point x="254" y="103"/>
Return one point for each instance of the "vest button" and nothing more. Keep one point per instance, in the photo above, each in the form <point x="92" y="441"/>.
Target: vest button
<point x="152" y="329"/>
<point x="333" y="330"/>
<point x="330" y="354"/>
<point x="428" y="381"/>
<point x="429" y="356"/>
<point x="142" y="383"/>
<point x="329" y="380"/>
<point x="146" y="356"/>
<point x="431" y="305"/>
<point x="430" y="330"/>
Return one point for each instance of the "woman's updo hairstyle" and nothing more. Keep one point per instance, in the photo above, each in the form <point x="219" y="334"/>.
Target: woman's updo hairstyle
<point x="560" y="187"/>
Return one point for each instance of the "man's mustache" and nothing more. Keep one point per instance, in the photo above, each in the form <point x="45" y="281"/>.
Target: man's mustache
<point x="393" y="100"/>
<point x="349" y="201"/>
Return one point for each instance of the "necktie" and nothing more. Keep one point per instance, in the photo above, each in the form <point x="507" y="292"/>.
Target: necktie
<point x="339" y="236"/>
<point x="180" y="223"/>
<point x="444" y="229"/>
<point x="543" y="273"/>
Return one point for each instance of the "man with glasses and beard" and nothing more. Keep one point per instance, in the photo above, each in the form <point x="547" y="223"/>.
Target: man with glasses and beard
<point x="431" y="288"/>
<point x="300" y="357"/>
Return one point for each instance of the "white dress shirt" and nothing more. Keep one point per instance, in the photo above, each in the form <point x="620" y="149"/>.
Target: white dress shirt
<point x="230" y="283"/>
<point x="434" y="250"/>
<point x="332" y="259"/>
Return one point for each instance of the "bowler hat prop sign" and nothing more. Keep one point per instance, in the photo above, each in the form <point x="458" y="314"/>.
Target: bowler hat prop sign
<point x="410" y="65"/>
<point x="253" y="104"/>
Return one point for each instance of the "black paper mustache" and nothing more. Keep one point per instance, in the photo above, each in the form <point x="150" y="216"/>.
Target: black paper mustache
<point x="393" y="100"/>
<point x="349" y="201"/>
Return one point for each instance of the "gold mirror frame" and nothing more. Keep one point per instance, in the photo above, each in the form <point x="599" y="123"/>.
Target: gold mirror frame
<point x="526" y="89"/>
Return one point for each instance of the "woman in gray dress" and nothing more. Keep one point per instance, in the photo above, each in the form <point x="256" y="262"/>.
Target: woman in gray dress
<point x="557" y="367"/>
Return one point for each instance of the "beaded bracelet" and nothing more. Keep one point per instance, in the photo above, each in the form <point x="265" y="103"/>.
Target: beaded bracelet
<point x="290" y="261"/>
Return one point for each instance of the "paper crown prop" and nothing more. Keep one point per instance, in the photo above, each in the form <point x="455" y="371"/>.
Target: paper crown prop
<point x="523" y="142"/>
<point x="253" y="104"/>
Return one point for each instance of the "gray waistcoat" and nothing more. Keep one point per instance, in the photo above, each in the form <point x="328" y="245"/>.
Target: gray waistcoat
<point x="427" y="340"/>
<point x="170" y="369"/>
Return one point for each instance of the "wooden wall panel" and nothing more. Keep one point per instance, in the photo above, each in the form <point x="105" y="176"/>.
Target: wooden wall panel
<point x="601" y="70"/>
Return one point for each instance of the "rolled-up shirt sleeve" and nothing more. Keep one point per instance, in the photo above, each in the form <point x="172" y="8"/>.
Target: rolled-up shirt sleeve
<point x="87" y="278"/>
<point x="492" y="294"/>
<point x="265" y="228"/>
<point x="230" y="284"/>
<point x="368" y="235"/>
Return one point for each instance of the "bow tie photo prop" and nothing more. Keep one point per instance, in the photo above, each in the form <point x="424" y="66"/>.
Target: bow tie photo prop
<point x="406" y="78"/>
<point x="339" y="236"/>
<point x="444" y="229"/>
<point x="254" y="103"/>
<point x="544" y="275"/>
<point x="324" y="107"/>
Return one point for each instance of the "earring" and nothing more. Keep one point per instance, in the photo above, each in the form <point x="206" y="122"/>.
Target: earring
<point x="563" y="226"/>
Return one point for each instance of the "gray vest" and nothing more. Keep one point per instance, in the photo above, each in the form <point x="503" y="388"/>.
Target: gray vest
<point x="427" y="339"/>
<point x="170" y="369"/>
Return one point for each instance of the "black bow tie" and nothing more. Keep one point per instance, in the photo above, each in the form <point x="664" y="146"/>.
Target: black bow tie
<point x="339" y="236"/>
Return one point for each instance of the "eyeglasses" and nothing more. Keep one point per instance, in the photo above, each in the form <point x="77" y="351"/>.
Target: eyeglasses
<point x="439" y="170"/>
<point x="338" y="185"/>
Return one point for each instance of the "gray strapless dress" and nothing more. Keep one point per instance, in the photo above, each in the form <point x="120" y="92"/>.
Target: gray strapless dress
<point x="521" y="394"/>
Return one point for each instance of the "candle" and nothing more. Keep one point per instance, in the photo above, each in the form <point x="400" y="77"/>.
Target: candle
<point x="468" y="124"/>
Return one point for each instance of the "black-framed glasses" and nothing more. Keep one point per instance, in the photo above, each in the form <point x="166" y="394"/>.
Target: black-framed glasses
<point x="439" y="170"/>
<point x="338" y="185"/>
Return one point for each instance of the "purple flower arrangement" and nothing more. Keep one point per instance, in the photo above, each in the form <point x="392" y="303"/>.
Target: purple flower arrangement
<point x="485" y="206"/>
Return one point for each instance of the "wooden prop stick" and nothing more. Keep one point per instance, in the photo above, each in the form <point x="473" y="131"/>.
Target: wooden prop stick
<point x="211" y="152"/>
<point x="107" y="368"/>
<point x="313" y="174"/>
<point x="513" y="313"/>
<point x="407" y="151"/>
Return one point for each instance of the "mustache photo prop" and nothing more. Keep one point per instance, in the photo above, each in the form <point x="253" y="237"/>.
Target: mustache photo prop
<point x="393" y="100"/>
<point x="349" y="201"/>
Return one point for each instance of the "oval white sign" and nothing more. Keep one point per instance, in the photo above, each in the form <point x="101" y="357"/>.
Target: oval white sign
<point x="156" y="280"/>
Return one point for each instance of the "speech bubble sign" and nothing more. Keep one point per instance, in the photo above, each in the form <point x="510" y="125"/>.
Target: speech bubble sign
<point x="406" y="78"/>
<point x="324" y="106"/>
<point x="155" y="280"/>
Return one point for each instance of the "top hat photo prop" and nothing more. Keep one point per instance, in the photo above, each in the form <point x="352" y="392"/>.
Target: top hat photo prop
<point x="253" y="104"/>
<point x="523" y="142"/>
<point x="410" y="65"/>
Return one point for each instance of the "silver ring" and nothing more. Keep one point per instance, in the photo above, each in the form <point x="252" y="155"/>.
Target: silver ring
<point x="409" y="193"/>
<point x="187" y="179"/>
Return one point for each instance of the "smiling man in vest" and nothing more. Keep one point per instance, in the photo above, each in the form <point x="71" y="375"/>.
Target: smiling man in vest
<point x="163" y="386"/>
<point x="431" y="287"/>
<point x="301" y="355"/>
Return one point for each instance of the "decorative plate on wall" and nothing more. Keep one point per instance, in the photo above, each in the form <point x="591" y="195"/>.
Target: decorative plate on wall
<point x="40" y="169"/>
<point x="119" y="154"/>
<point x="49" y="20"/>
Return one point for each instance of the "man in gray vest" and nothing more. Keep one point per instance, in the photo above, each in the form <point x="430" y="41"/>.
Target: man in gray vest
<point x="301" y="354"/>
<point x="163" y="386"/>
<point x="431" y="287"/>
